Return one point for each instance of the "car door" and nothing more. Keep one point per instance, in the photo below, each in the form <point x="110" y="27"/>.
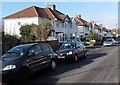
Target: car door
<point x="82" y="48"/>
<point x="78" y="49"/>
<point x="34" y="56"/>
<point x="47" y="54"/>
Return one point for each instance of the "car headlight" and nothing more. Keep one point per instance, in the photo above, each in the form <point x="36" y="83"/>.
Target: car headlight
<point x="9" y="67"/>
<point x="69" y="53"/>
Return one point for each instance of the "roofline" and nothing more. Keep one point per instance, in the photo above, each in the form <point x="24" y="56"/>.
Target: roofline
<point x="17" y="12"/>
<point x="51" y="13"/>
<point x="68" y="17"/>
<point x="20" y="18"/>
<point x="35" y="10"/>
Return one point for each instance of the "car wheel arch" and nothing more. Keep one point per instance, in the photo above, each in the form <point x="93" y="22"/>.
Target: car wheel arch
<point x="24" y="68"/>
<point x="22" y="75"/>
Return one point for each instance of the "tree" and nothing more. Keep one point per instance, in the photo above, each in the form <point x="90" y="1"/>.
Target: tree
<point x="91" y="36"/>
<point x="25" y="31"/>
<point x="42" y="30"/>
<point x="36" y="32"/>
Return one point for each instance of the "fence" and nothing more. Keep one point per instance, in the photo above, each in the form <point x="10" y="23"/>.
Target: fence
<point x="8" y="45"/>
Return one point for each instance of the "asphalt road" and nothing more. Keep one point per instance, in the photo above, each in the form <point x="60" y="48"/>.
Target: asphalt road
<point x="100" y="66"/>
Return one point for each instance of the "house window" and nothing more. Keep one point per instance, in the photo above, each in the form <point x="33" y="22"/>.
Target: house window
<point x="71" y="25"/>
<point x="71" y="36"/>
<point x="57" y="23"/>
<point x="61" y="38"/>
<point x="19" y="23"/>
<point x="65" y="36"/>
<point x="66" y="23"/>
<point x="62" y="24"/>
<point x="86" y="28"/>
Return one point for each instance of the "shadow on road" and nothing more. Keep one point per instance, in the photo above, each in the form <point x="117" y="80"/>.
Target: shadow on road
<point x="96" y="55"/>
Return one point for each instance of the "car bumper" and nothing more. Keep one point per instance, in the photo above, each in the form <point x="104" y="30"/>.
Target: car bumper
<point x="9" y="75"/>
<point x="107" y="44"/>
<point x="66" y="57"/>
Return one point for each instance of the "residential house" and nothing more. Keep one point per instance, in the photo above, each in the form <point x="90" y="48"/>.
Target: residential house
<point x="61" y="23"/>
<point x="109" y="33"/>
<point x="98" y="30"/>
<point x="73" y="29"/>
<point x="83" y="27"/>
<point x="115" y="32"/>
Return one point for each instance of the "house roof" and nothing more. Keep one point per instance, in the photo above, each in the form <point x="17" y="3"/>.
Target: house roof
<point x="81" y="22"/>
<point x="97" y="27"/>
<point x="34" y="11"/>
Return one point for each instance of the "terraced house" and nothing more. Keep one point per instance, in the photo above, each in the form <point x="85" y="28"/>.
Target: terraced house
<point x="61" y="23"/>
<point x="84" y="27"/>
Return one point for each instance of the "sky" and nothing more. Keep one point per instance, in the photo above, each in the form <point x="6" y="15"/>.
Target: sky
<point x="105" y="13"/>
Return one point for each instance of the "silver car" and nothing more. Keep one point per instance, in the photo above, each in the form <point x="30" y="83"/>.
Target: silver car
<point x="109" y="42"/>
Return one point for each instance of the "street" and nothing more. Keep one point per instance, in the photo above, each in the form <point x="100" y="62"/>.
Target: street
<point x="35" y="37"/>
<point x="100" y="66"/>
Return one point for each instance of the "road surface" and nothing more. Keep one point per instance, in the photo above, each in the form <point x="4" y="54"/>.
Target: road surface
<point x="100" y="66"/>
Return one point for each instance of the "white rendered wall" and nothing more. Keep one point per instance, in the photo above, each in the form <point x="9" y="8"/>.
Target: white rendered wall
<point x="12" y="26"/>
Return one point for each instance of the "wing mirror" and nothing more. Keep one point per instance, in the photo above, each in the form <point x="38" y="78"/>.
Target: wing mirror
<point x="31" y="54"/>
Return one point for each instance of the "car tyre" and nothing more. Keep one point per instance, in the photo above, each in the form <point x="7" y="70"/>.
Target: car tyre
<point x="22" y="76"/>
<point x="84" y="56"/>
<point x="53" y="65"/>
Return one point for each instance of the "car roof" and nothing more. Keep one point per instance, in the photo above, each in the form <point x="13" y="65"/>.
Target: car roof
<point x="31" y="44"/>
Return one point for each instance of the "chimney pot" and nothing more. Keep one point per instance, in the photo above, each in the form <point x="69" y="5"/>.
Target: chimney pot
<point x="52" y="7"/>
<point x="78" y="16"/>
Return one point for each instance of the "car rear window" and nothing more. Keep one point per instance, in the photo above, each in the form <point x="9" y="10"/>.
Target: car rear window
<point x="67" y="45"/>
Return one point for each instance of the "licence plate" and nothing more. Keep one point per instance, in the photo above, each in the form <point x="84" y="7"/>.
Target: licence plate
<point x="61" y="56"/>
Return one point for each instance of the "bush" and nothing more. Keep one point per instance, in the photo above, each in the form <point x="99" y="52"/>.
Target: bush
<point x="91" y="43"/>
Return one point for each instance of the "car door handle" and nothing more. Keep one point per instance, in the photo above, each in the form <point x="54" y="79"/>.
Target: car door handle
<point x="34" y="58"/>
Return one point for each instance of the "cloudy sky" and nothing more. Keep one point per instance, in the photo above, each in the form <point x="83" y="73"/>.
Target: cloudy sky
<point x="105" y="13"/>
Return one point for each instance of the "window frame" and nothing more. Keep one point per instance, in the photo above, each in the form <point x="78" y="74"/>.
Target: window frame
<point x="35" y="49"/>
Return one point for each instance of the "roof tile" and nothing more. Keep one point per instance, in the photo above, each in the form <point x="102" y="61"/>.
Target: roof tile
<point x="34" y="11"/>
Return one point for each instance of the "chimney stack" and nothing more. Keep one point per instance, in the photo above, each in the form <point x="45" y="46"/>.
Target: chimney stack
<point x="52" y="7"/>
<point x="78" y="16"/>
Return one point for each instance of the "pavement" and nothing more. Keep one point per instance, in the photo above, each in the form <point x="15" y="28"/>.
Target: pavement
<point x="100" y="66"/>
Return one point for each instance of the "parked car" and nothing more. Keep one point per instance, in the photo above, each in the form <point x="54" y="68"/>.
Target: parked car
<point x="109" y="42"/>
<point x="72" y="50"/>
<point x="22" y="60"/>
<point x="117" y="40"/>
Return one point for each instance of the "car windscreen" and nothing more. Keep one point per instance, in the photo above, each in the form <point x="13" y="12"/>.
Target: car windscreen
<point x="20" y="50"/>
<point x="67" y="46"/>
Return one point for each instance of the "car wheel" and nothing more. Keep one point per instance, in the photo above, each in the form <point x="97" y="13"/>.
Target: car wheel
<point x="53" y="65"/>
<point x="22" y="76"/>
<point x="75" y="58"/>
<point x="84" y="56"/>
